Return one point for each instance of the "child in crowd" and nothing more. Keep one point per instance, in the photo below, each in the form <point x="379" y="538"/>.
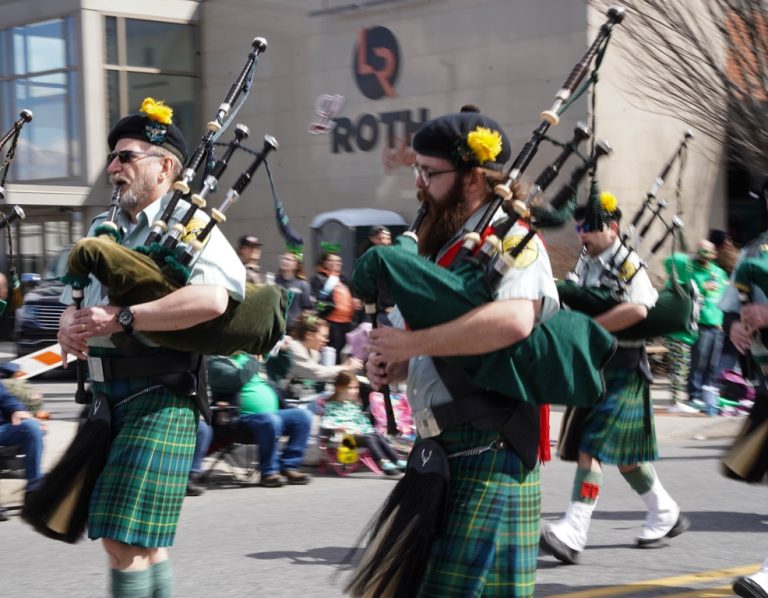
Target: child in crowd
<point x="343" y="413"/>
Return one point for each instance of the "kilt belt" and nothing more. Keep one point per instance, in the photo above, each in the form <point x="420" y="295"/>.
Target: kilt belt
<point x="104" y="369"/>
<point x="517" y="421"/>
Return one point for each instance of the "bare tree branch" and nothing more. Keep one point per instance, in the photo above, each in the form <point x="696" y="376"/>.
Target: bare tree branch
<point x="706" y="63"/>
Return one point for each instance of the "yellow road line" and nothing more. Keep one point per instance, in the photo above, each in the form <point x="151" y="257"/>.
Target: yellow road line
<point x="665" y="582"/>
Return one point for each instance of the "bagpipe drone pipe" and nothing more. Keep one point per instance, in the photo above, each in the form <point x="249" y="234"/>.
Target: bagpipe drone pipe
<point x="157" y="268"/>
<point x="428" y="294"/>
<point x="676" y="308"/>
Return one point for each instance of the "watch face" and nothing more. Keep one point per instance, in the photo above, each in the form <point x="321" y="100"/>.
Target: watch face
<point x="125" y="318"/>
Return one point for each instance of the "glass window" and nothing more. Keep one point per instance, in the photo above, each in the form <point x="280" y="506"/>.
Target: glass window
<point x="38" y="74"/>
<point x="161" y="62"/>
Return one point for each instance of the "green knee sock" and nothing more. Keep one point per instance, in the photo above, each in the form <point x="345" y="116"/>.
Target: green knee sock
<point x="131" y="584"/>
<point x="586" y="486"/>
<point x="642" y="478"/>
<point x="162" y="579"/>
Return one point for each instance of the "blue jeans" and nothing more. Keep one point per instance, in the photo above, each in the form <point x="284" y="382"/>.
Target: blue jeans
<point x="29" y="435"/>
<point x="705" y="361"/>
<point x="202" y="444"/>
<point x="267" y="428"/>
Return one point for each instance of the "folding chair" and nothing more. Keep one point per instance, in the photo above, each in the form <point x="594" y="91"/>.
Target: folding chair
<point x="233" y="444"/>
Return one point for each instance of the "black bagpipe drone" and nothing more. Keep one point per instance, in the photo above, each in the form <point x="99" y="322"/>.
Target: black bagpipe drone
<point x="675" y="309"/>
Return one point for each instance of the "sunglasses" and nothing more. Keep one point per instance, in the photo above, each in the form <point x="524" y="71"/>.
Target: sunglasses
<point x="583" y="228"/>
<point x="126" y="156"/>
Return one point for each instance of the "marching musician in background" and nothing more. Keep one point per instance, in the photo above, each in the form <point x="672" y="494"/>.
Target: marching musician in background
<point x="489" y="539"/>
<point x="746" y="325"/>
<point x="620" y="429"/>
<point x="155" y="395"/>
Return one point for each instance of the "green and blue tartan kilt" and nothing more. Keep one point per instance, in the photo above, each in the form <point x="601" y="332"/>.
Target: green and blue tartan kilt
<point x="620" y="430"/>
<point x="138" y="496"/>
<point x="491" y="540"/>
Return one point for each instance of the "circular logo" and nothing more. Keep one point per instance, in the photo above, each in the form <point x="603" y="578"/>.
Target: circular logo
<point x="376" y="63"/>
<point x="527" y="256"/>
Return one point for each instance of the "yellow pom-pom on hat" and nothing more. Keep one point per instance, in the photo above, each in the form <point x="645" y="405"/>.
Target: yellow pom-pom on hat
<point x="608" y="202"/>
<point x="157" y="110"/>
<point x="485" y="144"/>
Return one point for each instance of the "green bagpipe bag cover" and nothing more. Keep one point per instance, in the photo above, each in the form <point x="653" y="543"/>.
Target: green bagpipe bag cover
<point x="428" y="295"/>
<point x="675" y="309"/>
<point x="253" y="325"/>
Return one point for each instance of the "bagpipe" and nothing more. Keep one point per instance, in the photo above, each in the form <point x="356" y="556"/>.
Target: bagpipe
<point x="17" y="213"/>
<point x="428" y="294"/>
<point x="163" y="265"/>
<point x="676" y="308"/>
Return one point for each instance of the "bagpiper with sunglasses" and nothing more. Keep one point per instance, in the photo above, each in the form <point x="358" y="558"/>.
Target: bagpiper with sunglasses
<point x="155" y="394"/>
<point x="620" y="429"/>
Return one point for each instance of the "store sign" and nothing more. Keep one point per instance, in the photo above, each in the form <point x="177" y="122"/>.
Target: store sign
<point x="376" y="66"/>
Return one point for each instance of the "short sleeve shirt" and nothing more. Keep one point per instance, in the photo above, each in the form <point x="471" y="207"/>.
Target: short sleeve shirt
<point x="530" y="277"/>
<point x="217" y="264"/>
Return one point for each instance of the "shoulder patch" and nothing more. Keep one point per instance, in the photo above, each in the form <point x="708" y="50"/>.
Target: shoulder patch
<point x="527" y="256"/>
<point x="627" y="270"/>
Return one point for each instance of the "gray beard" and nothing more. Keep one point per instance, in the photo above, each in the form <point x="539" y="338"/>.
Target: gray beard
<point x="128" y="201"/>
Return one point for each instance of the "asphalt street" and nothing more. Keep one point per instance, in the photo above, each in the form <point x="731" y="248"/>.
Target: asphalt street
<point x="250" y="541"/>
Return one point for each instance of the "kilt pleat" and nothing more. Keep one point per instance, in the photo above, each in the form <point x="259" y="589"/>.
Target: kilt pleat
<point x="138" y="496"/>
<point x="620" y="429"/>
<point x="491" y="541"/>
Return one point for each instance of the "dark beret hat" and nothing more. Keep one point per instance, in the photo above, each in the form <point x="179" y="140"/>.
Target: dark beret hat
<point x="145" y="126"/>
<point x="465" y="138"/>
<point x="379" y="228"/>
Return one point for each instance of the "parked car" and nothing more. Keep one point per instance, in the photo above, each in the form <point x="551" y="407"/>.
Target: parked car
<point x="37" y="320"/>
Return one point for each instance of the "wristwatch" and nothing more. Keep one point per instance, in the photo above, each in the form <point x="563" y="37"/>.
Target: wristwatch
<point x="125" y="319"/>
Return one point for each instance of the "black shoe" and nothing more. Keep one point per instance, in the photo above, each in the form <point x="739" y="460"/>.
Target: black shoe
<point x="747" y="588"/>
<point x="549" y="543"/>
<point x="3" y="515"/>
<point x="194" y="488"/>
<point x="271" y="481"/>
<point x="295" y="477"/>
<point x="681" y="525"/>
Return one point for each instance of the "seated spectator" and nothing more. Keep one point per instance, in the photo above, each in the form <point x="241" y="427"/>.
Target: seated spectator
<point x="343" y="413"/>
<point x="290" y="276"/>
<point x="202" y="444"/>
<point x="309" y="336"/>
<point x="260" y="412"/>
<point x="19" y="427"/>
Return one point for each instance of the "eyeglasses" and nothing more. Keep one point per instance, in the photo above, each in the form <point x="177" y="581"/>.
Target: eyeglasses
<point x="583" y="228"/>
<point x="126" y="156"/>
<point x="426" y="175"/>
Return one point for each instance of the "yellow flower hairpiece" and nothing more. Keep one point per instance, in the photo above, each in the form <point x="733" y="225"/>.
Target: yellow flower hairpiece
<point x="485" y="144"/>
<point x="608" y="202"/>
<point x="157" y="110"/>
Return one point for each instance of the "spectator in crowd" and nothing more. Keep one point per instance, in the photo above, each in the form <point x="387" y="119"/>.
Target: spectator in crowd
<point x="727" y="254"/>
<point x="261" y="413"/>
<point x="334" y="300"/>
<point x="19" y="427"/>
<point x="679" y="344"/>
<point x="309" y="336"/>
<point x="711" y="281"/>
<point x="249" y="250"/>
<point x="380" y="235"/>
<point x="290" y="276"/>
<point x="343" y="413"/>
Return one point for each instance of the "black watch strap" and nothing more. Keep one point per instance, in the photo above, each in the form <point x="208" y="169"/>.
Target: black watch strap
<point x="125" y="319"/>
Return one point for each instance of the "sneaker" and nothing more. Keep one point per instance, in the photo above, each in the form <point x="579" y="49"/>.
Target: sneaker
<point x="3" y="515"/>
<point x="271" y="481"/>
<point x="296" y="477"/>
<point x="682" y="408"/>
<point x="194" y="487"/>
<point x="401" y="464"/>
